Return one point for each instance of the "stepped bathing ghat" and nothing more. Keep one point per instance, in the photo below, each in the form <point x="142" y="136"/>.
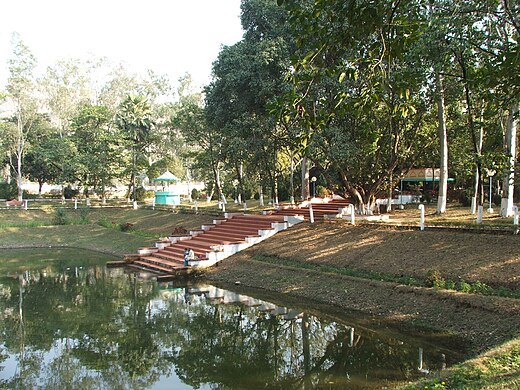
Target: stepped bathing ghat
<point x="228" y="235"/>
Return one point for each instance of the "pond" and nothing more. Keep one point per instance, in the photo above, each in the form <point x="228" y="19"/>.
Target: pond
<point x="77" y="324"/>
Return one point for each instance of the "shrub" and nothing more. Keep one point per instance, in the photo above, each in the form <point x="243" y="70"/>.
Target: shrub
<point x="464" y="197"/>
<point x="60" y="217"/>
<point x="195" y="194"/>
<point x="497" y="199"/>
<point x="141" y="194"/>
<point x="83" y="214"/>
<point x="450" y="285"/>
<point x="125" y="226"/>
<point x="322" y="191"/>
<point x="434" y="279"/>
<point x="464" y="286"/>
<point x="8" y="190"/>
<point x="69" y="192"/>
<point x="480" y="288"/>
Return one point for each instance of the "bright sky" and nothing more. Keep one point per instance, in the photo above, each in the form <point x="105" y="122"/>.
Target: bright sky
<point x="168" y="36"/>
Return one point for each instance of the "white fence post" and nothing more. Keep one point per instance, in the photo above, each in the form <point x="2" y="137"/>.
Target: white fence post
<point x="352" y="214"/>
<point x="421" y="208"/>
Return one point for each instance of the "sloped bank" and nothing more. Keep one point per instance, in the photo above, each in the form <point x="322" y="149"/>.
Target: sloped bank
<point x="484" y="321"/>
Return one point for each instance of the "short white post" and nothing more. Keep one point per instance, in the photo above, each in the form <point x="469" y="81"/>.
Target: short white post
<point x="196" y="207"/>
<point x="75" y="203"/>
<point x="153" y="204"/>
<point x="421" y="208"/>
<point x="245" y="207"/>
<point x="515" y="215"/>
<point x="352" y="214"/>
<point x="311" y="213"/>
<point x="25" y="202"/>
<point x="135" y="205"/>
<point x="223" y="207"/>
<point x="480" y="213"/>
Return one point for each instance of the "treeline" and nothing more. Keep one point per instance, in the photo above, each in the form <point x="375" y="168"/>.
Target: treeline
<point x="341" y="97"/>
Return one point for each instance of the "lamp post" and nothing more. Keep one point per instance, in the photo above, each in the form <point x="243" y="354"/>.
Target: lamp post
<point x="491" y="173"/>
<point x="313" y="181"/>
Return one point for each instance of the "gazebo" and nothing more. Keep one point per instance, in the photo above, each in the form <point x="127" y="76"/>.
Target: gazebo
<point x="168" y="196"/>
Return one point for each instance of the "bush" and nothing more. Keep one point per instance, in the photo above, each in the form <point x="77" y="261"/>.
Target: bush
<point x="464" y="286"/>
<point x="434" y="279"/>
<point x="83" y="214"/>
<point x="69" y="192"/>
<point x="8" y="190"/>
<point x="497" y="199"/>
<point x="141" y="194"/>
<point x="464" y="197"/>
<point x="60" y="217"/>
<point x="195" y="194"/>
<point x="125" y="226"/>
<point x="322" y="192"/>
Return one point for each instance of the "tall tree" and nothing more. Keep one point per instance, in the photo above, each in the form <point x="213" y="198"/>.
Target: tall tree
<point x="99" y="155"/>
<point x="358" y="89"/>
<point x="135" y="120"/>
<point x="20" y="86"/>
<point x="247" y="77"/>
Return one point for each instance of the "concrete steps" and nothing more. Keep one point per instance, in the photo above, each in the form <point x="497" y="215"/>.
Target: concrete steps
<point x="212" y="243"/>
<point x="231" y="234"/>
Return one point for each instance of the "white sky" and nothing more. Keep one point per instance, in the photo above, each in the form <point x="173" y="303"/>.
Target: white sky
<point x="168" y="36"/>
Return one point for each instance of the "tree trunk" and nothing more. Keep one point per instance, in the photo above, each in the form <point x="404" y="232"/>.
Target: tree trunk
<point x="477" y="148"/>
<point x="443" y="143"/>
<point x="292" y="178"/>
<point x="506" y="207"/>
<point x="305" y="178"/>
<point x="390" y="193"/>
<point x="240" y="183"/>
<point x="19" y="153"/>
<point x="275" y="179"/>
<point x="216" y="175"/>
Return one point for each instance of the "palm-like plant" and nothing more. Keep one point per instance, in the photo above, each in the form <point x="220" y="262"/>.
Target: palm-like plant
<point x="135" y="119"/>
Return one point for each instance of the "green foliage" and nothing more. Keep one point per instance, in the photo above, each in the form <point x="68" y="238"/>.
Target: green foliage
<point x="434" y="279"/>
<point x="120" y="226"/>
<point x="69" y="192"/>
<point x="84" y="214"/>
<point x="60" y="216"/>
<point x="195" y="194"/>
<point x="141" y="194"/>
<point x="8" y="190"/>
<point x="464" y="286"/>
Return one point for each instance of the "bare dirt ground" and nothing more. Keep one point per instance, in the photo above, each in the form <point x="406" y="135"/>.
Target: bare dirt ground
<point x="493" y="259"/>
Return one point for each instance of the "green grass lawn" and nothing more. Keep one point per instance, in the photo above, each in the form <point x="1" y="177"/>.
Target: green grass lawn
<point x="97" y="230"/>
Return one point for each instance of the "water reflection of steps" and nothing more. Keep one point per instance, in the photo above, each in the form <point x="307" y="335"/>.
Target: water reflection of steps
<point x="220" y="296"/>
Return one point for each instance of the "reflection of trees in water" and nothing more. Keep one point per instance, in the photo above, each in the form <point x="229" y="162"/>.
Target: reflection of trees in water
<point x="116" y="332"/>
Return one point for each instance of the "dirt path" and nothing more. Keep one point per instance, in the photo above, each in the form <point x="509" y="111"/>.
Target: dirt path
<point x="492" y="259"/>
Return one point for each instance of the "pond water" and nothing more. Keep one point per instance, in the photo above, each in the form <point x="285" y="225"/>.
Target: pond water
<point x="85" y="326"/>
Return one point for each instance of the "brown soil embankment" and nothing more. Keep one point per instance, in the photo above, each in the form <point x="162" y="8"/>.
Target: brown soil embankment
<point x="484" y="321"/>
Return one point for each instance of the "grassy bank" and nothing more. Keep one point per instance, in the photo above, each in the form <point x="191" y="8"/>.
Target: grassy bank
<point x="496" y="369"/>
